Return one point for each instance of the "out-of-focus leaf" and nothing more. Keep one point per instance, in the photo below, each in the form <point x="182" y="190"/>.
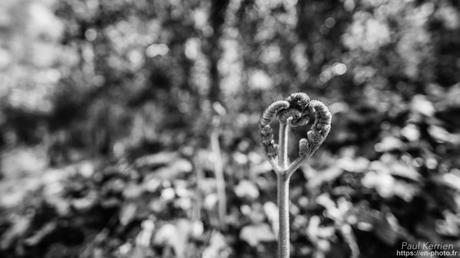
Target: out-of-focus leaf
<point x="405" y="191"/>
<point x="411" y="132"/>
<point x="197" y="229"/>
<point x="389" y="143"/>
<point x="156" y="159"/>
<point x="216" y="244"/>
<point x="385" y="226"/>
<point x="168" y="194"/>
<point x="166" y="234"/>
<point x="176" y="168"/>
<point x="210" y="201"/>
<point x="422" y="105"/>
<point x="20" y="226"/>
<point x="84" y="204"/>
<point x="240" y="158"/>
<point x="315" y="231"/>
<point x="261" y="168"/>
<point x="380" y="181"/>
<point x="254" y="234"/>
<point x="247" y="189"/>
<point x="325" y="201"/>
<point x="116" y="185"/>
<point x="175" y="235"/>
<point x="442" y="135"/>
<point x="86" y="169"/>
<point x="144" y="237"/>
<point x="128" y="213"/>
<point x="401" y="169"/>
<point x="358" y="164"/>
<point x="133" y="191"/>
<point x="387" y="186"/>
<point x="254" y="212"/>
<point x="40" y="234"/>
<point x="151" y="183"/>
<point x="453" y="96"/>
<point x="386" y="229"/>
<point x="451" y="179"/>
<point x="316" y="178"/>
<point x="450" y="226"/>
<point x="271" y="211"/>
<point x="19" y="162"/>
<point x="390" y="165"/>
<point x="184" y="203"/>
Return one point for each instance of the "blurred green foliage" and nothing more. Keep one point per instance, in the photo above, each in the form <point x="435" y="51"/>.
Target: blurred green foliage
<point x="107" y="108"/>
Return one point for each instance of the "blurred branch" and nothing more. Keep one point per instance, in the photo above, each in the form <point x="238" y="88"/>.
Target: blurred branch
<point x="217" y="20"/>
<point x="218" y="163"/>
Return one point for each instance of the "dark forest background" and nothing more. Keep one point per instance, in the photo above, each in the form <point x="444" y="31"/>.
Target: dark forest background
<point x="120" y="118"/>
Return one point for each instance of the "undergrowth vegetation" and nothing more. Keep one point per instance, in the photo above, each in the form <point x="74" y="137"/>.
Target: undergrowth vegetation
<point x="130" y="128"/>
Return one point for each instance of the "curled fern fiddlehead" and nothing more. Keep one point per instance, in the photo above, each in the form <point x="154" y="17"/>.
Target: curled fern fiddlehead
<point x="271" y="111"/>
<point x="266" y="132"/>
<point x="296" y="110"/>
<point x="321" y="127"/>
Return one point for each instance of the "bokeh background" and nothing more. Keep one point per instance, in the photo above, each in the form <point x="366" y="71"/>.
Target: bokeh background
<point x="128" y="128"/>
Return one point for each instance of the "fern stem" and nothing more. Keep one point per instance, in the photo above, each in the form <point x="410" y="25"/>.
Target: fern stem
<point x="283" y="146"/>
<point x="283" y="213"/>
<point x="283" y="192"/>
<point x="220" y="180"/>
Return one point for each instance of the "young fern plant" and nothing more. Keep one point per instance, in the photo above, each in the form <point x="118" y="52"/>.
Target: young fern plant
<point x="297" y="110"/>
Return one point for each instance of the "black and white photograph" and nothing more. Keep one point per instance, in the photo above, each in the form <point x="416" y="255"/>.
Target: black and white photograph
<point x="229" y="129"/>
